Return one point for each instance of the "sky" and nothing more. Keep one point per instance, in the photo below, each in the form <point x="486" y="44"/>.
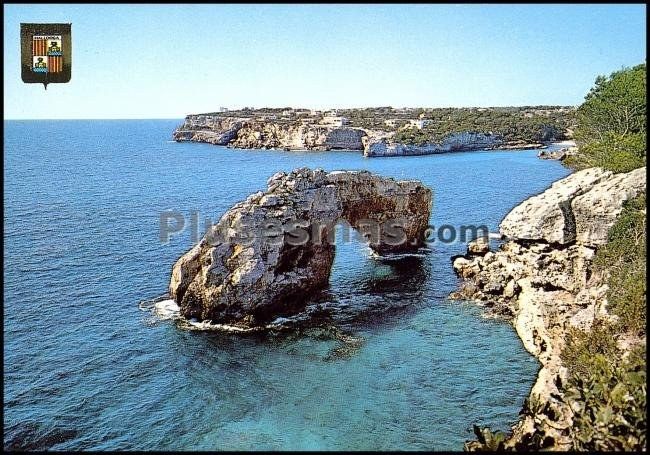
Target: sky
<point x="166" y="61"/>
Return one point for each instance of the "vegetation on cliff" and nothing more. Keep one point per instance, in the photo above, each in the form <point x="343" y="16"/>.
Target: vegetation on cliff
<point x="512" y="124"/>
<point x="418" y="126"/>
<point x="611" y="131"/>
<point x="607" y="382"/>
<point x="606" y="365"/>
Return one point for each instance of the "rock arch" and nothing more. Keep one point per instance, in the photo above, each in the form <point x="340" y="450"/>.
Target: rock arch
<point x="267" y="254"/>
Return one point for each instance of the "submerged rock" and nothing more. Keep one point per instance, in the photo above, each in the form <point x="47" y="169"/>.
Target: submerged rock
<point x="269" y="253"/>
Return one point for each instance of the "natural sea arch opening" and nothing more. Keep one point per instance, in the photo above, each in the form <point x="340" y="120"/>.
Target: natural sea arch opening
<point x="359" y="281"/>
<point x="353" y="257"/>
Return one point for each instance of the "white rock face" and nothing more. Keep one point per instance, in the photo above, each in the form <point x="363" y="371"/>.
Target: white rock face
<point x="256" y="134"/>
<point x="298" y="137"/>
<point x="253" y="133"/>
<point x="345" y="139"/>
<point x="596" y="210"/>
<point x="548" y="216"/>
<point x="383" y="145"/>
<point x="218" y="132"/>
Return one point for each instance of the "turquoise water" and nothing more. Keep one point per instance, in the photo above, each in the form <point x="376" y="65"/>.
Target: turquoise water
<point x="86" y="367"/>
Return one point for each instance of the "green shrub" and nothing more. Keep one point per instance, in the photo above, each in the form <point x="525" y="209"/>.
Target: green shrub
<point x="608" y="393"/>
<point x="609" y="404"/>
<point x="616" y="103"/>
<point x="624" y="257"/>
<point x="615" y="152"/>
<point x="611" y="129"/>
<point x="512" y="124"/>
<point x="581" y="347"/>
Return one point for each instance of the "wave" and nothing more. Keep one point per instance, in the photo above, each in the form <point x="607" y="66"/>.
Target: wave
<point x="420" y="253"/>
<point x="165" y="309"/>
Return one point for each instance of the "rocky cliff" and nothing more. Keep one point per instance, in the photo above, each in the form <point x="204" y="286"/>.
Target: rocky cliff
<point x="383" y="145"/>
<point x="257" y="134"/>
<point x="269" y="253"/>
<point x="218" y="132"/>
<point x="267" y="135"/>
<point x="541" y="278"/>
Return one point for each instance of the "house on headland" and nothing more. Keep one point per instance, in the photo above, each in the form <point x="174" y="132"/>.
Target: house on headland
<point x="331" y="120"/>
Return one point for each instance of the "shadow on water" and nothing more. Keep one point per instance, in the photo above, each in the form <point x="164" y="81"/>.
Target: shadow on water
<point x="389" y="290"/>
<point x="31" y="436"/>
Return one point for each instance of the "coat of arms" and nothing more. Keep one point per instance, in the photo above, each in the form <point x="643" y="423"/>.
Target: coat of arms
<point x="46" y="51"/>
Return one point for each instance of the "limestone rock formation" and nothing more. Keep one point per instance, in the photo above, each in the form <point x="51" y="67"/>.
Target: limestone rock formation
<point x="267" y="254"/>
<point x="560" y="154"/>
<point x="345" y="139"/>
<point x="308" y="134"/>
<point x="541" y="278"/>
<point x="596" y="210"/>
<point x="256" y="134"/>
<point x="220" y="132"/>
<point x="548" y="216"/>
<point x="383" y="145"/>
<point x="298" y="137"/>
<point x="479" y="246"/>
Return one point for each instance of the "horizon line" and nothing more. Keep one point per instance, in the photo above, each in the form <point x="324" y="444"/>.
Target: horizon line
<point x="94" y="118"/>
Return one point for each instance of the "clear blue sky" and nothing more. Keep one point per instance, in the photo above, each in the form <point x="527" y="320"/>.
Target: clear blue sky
<point x="164" y="61"/>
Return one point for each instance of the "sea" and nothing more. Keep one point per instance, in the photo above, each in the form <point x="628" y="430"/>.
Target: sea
<point x="90" y="364"/>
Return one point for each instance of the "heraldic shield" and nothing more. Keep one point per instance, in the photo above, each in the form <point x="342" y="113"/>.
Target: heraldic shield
<point x="46" y="53"/>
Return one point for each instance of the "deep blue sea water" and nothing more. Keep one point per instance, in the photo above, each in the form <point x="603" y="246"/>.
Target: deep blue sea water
<point x="86" y="368"/>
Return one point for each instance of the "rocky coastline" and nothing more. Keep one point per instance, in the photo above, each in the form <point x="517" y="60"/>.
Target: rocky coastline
<point x="565" y="150"/>
<point x="255" y="133"/>
<point x="541" y="279"/>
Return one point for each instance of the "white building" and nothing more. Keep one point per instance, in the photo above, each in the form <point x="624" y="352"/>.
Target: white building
<point x="420" y="123"/>
<point x="335" y="120"/>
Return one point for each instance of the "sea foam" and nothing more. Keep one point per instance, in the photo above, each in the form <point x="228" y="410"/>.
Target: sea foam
<point x="166" y="309"/>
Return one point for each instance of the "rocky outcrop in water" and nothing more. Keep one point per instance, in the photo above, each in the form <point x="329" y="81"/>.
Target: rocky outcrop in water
<point x="558" y="154"/>
<point x="542" y="280"/>
<point x="269" y="253"/>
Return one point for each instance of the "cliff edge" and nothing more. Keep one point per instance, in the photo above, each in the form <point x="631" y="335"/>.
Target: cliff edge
<point x="542" y="279"/>
<point x="371" y="131"/>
